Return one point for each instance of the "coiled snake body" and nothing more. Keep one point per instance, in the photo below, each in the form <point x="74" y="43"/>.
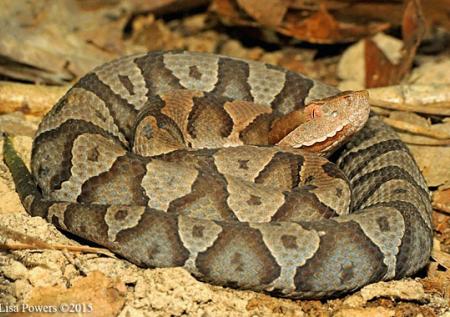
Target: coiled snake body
<point x="168" y="160"/>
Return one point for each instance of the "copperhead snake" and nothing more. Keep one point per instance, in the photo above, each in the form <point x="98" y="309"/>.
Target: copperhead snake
<point x="197" y="160"/>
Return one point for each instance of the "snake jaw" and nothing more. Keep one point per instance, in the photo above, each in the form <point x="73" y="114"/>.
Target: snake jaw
<point x="328" y="144"/>
<point x="331" y="135"/>
<point x="329" y="122"/>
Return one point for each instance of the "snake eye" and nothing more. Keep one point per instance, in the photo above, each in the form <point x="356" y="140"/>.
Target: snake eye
<point x="334" y="114"/>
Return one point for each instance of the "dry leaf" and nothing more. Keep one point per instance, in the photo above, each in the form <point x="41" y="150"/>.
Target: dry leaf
<point x="29" y="99"/>
<point x="316" y="26"/>
<point x="229" y="12"/>
<point x="94" y="295"/>
<point x="380" y="71"/>
<point x="154" y="34"/>
<point x="269" y="14"/>
<point x="438" y="277"/>
<point x="436" y="72"/>
<point x="443" y="258"/>
<point x="55" y="41"/>
<point x="441" y="200"/>
<point x="433" y="162"/>
<point x="321" y="27"/>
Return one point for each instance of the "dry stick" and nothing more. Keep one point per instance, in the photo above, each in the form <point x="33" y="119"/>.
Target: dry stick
<point x="412" y="139"/>
<point x="53" y="246"/>
<point x="430" y="99"/>
<point x="395" y="97"/>
<point x="27" y="98"/>
<point x="425" y="108"/>
<point x="30" y="243"/>
<point x="441" y="257"/>
<point x="416" y="129"/>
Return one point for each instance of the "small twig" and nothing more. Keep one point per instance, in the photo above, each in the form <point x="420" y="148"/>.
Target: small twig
<point x="29" y="243"/>
<point x="428" y="109"/>
<point x="422" y="140"/>
<point x="29" y="99"/>
<point x="429" y="99"/>
<point x="416" y="129"/>
<point x="53" y="246"/>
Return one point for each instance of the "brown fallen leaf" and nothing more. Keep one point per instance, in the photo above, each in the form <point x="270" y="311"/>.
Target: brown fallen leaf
<point x="320" y="27"/>
<point x="316" y="26"/>
<point x="438" y="277"/>
<point x="437" y="282"/>
<point x="323" y="28"/>
<point x="441" y="200"/>
<point x="435" y="11"/>
<point x="95" y="295"/>
<point x="153" y="34"/>
<point x="441" y="222"/>
<point x="380" y="71"/>
<point x="269" y="14"/>
<point x="230" y="14"/>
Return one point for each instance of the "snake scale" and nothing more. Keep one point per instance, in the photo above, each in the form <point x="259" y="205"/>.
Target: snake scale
<point x="181" y="159"/>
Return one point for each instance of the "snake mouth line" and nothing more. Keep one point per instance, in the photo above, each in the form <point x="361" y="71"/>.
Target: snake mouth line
<point x="331" y="134"/>
<point x="329" y="141"/>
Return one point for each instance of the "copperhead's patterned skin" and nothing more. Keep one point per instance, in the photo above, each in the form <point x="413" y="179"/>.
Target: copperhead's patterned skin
<point x="247" y="216"/>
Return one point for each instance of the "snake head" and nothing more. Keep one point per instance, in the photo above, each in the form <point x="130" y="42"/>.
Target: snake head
<point x="325" y="124"/>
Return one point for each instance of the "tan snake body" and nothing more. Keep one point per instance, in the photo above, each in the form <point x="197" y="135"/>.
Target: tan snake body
<point x="147" y="156"/>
